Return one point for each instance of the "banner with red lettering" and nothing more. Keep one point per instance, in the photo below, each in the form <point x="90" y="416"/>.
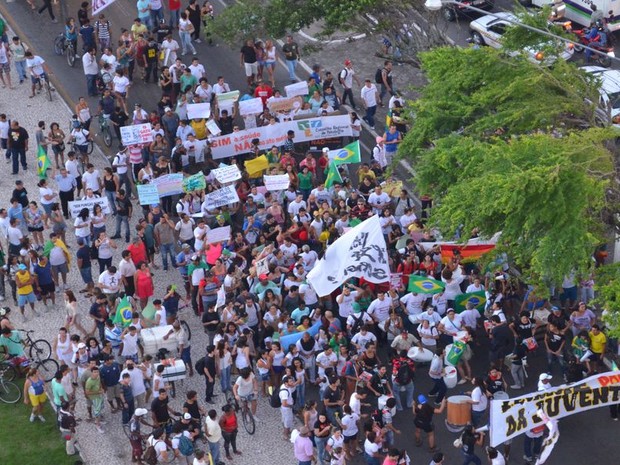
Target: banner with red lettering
<point x="512" y="417"/>
<point x="305" y="130"/>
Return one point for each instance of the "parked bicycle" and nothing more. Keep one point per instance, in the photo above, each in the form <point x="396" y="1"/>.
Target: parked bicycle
<point x="62" y="46"/>
<point x="10" y="393"/>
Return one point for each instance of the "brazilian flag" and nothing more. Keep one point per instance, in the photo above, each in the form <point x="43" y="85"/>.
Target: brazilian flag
<point x="424" y="285"/>
<point x="43" y="162"/>
<point x="477" y="299"/>
<point x="348" y="154"/>
<point x="123" y="313"/>
<point x="333" y="176"/>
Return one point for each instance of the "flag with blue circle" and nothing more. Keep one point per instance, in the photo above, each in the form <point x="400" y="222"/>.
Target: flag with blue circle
<point x="347" y="154"/>
<point x="424" y="285"/>
<point x="124" y="313"/>
<point x="476" y="299"/>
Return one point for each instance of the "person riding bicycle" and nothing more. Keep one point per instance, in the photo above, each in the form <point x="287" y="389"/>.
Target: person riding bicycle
<point x="71" y="34"/>
<point x="80" y="136"/>
<point x="597" y="38"/>
<point x="160" y="411"/>
<point x="107" y="103"/>
<point x="36" y="67"/>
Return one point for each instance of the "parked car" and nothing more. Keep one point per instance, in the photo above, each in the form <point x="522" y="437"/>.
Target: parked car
<point x="489" y="29"/>
<point x="609" y="90"/>
<point x="451" y="12"/>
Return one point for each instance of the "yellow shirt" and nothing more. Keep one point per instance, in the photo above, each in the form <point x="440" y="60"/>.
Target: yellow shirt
<point x="23" y="277"/>
<point x="200" y="128"/>
<point x="597" y="342"/>
<point x="137" y="30"/>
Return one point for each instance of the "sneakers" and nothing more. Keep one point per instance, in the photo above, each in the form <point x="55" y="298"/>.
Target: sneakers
<point x="462" y="381"/>
<point x="42" y="418"/>
<point x="99" y="428"/>
<point x="32" y="417"/>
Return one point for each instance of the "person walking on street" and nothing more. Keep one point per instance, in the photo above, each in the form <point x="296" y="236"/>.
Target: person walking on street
<point x="346" y="77"/>
<point x="18" y="50"/>
<point x="91" y="70"/>
<point x="292" y="56"/>
<point x="386" y="81"/>
<point x="18" y="146"/>
<point x="47" y="5"/>
<point x="213" y="432"/>
<point x="370" y="95"/>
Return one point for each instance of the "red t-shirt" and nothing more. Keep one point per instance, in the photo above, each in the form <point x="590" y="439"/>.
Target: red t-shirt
<point x="174" y="5"/>
<point x="229" y="423"/>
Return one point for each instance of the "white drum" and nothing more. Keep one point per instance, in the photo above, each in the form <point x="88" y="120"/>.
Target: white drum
<point x="450" y="377"/>
<point x="420" y="355"/>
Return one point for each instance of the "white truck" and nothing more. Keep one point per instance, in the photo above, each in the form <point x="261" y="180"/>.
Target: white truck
<point x="580" y="11"/>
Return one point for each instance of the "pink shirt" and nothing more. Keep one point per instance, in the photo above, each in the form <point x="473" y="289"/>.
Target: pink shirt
<point x="303" y="449"/>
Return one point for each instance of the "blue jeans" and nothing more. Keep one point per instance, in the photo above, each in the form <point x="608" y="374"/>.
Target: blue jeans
<point x="175" y="16"/>
<point x="291" y="65"/>
<point x="119" y="221"/>
<point x="300" y="400"/>
<point x="558" y="358"/>
<point x="167" y="249"/>
<point x="156" y="17"/>
<point x="186" y="42"/>
<point x="111" y="195"/>
<point x="477" y="417"/>
<point x="320" y="448"/>
<point x="18" y="156"/>
<point x="146" y="20"/>
<point x="214" y="448"/>
<point x="371" y="460"/>
<point x="471" y="458"/>
<point x="385" y="91"/>
<point x="370" y="115"/>
<point x="532" y="446"/>
<point x="225" y="379"/>
<point x="20" y="66"/>
<point x="330" y="413"/>
<point x="304" y="462"/>
<point x="91" y="87"/>
<point x="409" y="389"/>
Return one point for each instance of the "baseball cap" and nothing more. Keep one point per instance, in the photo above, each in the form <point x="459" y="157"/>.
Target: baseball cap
<point x="325" y="149"/>
<point x="140" y="412"/>
<point x="167" y="109"/>
<point x="544" y="376"/>
<point x="81" y="345"/>
<point x="187" y="416"/>
<point x="262" y="277"/>
<point x="347" y="62"/>
<point x="422" y="399"/>
<point x="22" y="267"/>
<point x="555" y="309"/>
<point x="195" y="257"/>
<point x="186" y="247"/>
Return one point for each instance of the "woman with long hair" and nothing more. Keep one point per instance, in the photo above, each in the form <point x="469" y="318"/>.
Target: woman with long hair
<point x="73" y="318"/>
<point x="56" y="137"/>
<point x="143" y="283"/>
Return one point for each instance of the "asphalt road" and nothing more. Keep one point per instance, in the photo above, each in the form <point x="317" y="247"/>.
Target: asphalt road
<point x="586" y="438"/>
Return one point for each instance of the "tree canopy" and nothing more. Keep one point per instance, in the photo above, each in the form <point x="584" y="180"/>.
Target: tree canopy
<point x="503" y="144"/>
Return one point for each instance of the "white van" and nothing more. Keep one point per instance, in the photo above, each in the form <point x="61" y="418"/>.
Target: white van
<point x="579" y="11"/>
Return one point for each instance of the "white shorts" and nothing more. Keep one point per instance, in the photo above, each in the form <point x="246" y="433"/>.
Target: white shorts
<point x="251" y="69"/>
<point x="287" y="417"/>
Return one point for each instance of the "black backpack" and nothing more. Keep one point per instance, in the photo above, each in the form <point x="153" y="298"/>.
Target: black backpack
<point x="379" y="76"/>
<point x="340" y="78"/>
<point x="150" y="455"/>
<point x="200" y="366"/>
<point x="404" y="375"/>
<point x="275" y="400"/>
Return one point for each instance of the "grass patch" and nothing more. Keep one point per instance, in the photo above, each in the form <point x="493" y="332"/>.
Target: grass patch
<point x="25" y="442"/>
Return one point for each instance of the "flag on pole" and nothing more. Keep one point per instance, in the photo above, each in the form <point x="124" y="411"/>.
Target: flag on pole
<point x="43" y="162"/>
<point x="477" y="299"/>
<point x="424" y="285"/>
<point x="469" y="253"/>
<point x="333" y="175"/>
<point x="124" y="313"/>
<point x="348" y="154"/>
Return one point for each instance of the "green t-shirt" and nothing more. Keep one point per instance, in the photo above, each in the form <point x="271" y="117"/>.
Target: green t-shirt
<point x="305" y="181"/>
<point x="188" y="80"/>
<point x="92" y="384"/>
<point x="13" y="344"/>
<point x="59" y="393"/>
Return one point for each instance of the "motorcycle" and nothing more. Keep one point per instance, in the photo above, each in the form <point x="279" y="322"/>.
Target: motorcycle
<point x="605" y="53"/>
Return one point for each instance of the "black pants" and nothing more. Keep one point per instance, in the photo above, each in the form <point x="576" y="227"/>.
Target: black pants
<point x="65" y="198"/>
<point x="195" y="299"/>
<point x="151" y="69"/>
<point x="348" y="93"/>
<point x="230" y="439"/>
<point x="209" y="385"/>
<point x="440" y="389"/>
<point x="47" y="5"/>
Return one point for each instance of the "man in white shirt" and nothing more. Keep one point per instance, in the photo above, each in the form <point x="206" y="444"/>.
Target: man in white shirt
<point x="326" y="359"/>
<point x="309" y="295"/>
<point x="362" y="338"/>
<point x="370" y="95"/>
<point x="346" y="299"/>
<point x="308" y="258"/>
<point x="345" y="78"/>
<point x="289" y="249"/>
<point x="185" y="228"/>
<point x="197" y="70"/>
<point x="296" y="205"/>
<point x="476" y="286"/>
<point x="413" y="302"/>
<point x="204" y="90"/>
<point x="91" y="179"/>
<point x="451" y="324"/>
<point x="287" y="388"/>
<point x="194" y="148"/>
<point x="121" y="163"/>
<point x="378" y="200"/>
<point x="470" y="317"/>
<point x="110" y="281"/>
<point x="200" y="234"/>
<point x="170" y="46"/>
<point x="379" y="309"/>
<point x="184" y="130"/>
<point x="91" y="70"/>
<point x="221" y="87"/>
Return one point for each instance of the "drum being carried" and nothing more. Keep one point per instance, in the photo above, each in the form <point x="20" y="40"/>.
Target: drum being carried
<point x="459" y="413"/>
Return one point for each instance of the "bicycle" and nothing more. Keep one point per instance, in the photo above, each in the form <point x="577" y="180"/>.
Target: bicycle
<point x="10" y="393"/>
<point x="64" y="46"/>
<point x="7" y="371"/>
<point x="104" y="129"/>
<point x="246" y="416"/>
<point x="40" y="349"/>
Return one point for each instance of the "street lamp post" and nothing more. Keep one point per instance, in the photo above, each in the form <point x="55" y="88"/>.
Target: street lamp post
<point x="436" y="5"/>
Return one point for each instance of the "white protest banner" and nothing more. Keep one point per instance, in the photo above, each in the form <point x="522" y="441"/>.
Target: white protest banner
<point x="136" y="134"/>
<point x="77" y="205"/>
<point x="512" y="417"/>
<point x="221" y="297"/>
<point x="305" y="130"/>
<point x="360" y="253"/>
<point x="252" y="106"/>
<point x="227" y="173"/>
<point x="218" y="235"/>
<point x="148" y="194"/>
<point x="169" y="184"/>
<point x="550" y="441"/>
<point x="224" y="196"/>
<point x="284" y="104"/>
<point x="198" y="110"/>
<point x="299" y="88"/>
<point x="100" y="5"/>
<point x="213" y="128"/>
<point x="262" y="266"/>
<point x="278" y="182"/>
<point x="226" y="101"/>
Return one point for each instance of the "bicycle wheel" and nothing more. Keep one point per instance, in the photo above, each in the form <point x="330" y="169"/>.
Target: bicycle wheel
<point x="248" y="420"/>
<point x="7" y="372"/>
<point x="107" y="136"/>
<point x="186" y="328"/>
<point x="91" y="146"/>
<point x="59" y="44"/>
<point x="9" y="392"/>
<point x="47" y="369"/>
<point x="40" y="350"/>
<point x="48" y="89"/>
<point x="70" y="55"/>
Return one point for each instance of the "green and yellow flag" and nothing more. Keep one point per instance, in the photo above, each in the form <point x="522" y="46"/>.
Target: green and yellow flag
<point x="424" y="285"/>
<point x="43" y="162"/>
<point x="477" y="299"/>
<point x="348" y="154"/>
<point x="123" y="313"/>
<point x="333" y="175"/>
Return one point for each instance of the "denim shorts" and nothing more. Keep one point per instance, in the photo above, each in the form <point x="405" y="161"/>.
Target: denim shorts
<point x="87" y="275"/>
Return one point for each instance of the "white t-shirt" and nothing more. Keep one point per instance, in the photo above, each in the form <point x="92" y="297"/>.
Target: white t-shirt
<point x="345" y="307"/>
<point x="470" y="317"/>
<point x="113" y="280"/>
<point x="452" y="326"/>
<point x="371" y="448"/>
<point x="111" y="60"/>
<point x="349" y="424"/>
<point x="478" y="396"/>
<point x="380" y="309"/>
<point x="121" y="83"/>
<point x="35" y="64"/>
<point x="80" y="136"/>
<point x="369" y="95"/>
<point x="91" y="180"/>
<point x="82" y="232"/>
<point x="413" y="302"/>
<point x="363" y="339"/>
<point x="197" y="71"/>
<point x="308" y="293"/>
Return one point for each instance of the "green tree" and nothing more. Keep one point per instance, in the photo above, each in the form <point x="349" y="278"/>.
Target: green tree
<point x="503" y="144"/>
<point x="607" y="292"/>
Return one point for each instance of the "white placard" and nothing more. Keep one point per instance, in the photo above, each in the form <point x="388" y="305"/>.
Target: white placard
<point x="262" y="266"/>
<point x="136" y="134"/>
<point x="77" y="205"/>
<point x="224" y="196"/>
<point x="252" y="106"/>
<point x="198" y="110"/>
<point x="218" y="235"/>
<point x="213" y="128"/>
<point x="227" y="173"/>
<point x="278" y="182"/>
<point x="299" y="88"/>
